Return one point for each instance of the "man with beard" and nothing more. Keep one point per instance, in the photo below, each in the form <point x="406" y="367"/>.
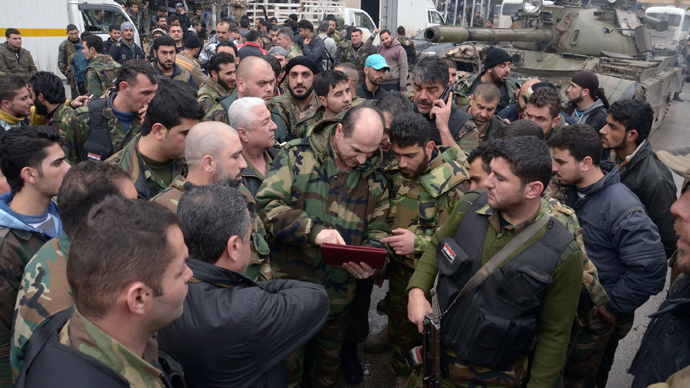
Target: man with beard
<point x="164" y="52"/>
<point x="515" y="111"/>
<point x="627" y="131"/>
<point x="285" y="39"/>
<point x="396" y="58"/>
<point x="429" y="182"/>
<point x="482" y="107"/>
<point x="449" y="125"/>
<point x="297" y="108"/>
<point x="664" y="348"/>
<point x="15" y="103"/>
<point x="101" y="70"/>
<point x="588" y="103"/>
<point x="125" y="49"/>
<point x="474" y="243"/>
<point x="49" y="100"/>
<point x="153" y="159"/>
<point x="252" y="120"/>
<point x="375" y="69"/>
<point x="621" y="241"/>
<point x="221" y="83"/>
<point x="333" y="90"/>
<point x="391" y="105"/>
<point x="114" y="34"/>
<point x="65" y="51"/>
<point x="496" y="71"/>
<point x="222" y="34"/>
<point x="187" y="59"/>
<point x="544" y="108"/>
<point x="213" y="153"/>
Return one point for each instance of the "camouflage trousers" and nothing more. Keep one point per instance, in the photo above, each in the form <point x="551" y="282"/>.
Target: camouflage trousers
<point x="403" y="334"/>
<point x="587" y="351"/>
<point x="317" y="363"/>
<point x="621" y="328"/>
<point x="458" y="373"/>
<point x="358" y="329"/>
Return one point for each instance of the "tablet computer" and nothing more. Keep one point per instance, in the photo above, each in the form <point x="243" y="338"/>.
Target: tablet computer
<point x="336" y="254"/>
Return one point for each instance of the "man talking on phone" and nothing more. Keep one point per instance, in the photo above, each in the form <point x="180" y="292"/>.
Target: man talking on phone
<point x="434" y="100"/>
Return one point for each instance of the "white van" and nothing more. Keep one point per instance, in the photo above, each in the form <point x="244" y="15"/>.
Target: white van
<point x="43" y="24"/>
<point x="678" y="25"/>
<point x="508" y="9"/>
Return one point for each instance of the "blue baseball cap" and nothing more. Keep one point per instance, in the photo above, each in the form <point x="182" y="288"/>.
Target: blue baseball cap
<point x="377" y="62"/>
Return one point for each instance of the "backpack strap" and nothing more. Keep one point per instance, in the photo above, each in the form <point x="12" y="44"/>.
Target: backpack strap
<point x="98" y="146"/>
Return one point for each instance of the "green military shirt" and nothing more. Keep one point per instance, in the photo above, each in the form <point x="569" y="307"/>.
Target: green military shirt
<point x="75" y="138"/>
<point x="44" y="293"/>
<point x="306" y="192"/>
<point x="295" y="119"/>
<point x="356" y="57"/>
<point x="259" y="262"/>
<point x="492" y="130"/>
<point x="560" y="297"/>
<point x="63" y="119"/>
<point x="82" y="335"/>
<point x="65" y="51"/>
<point x="423" y="204"/>
<point x="210" y="93"/>
<point x="295" y="51"/>
<point x="145" y="180"/>
<point x="101" y="74"/>
<point x="23" y="67"/>
<point x="466" y="88"/>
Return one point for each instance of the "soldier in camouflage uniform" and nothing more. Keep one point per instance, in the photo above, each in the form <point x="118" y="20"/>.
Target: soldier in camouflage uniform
<point x="22" y="235"/>
<point x="496" y="71"/>
<point x="220" y="143"/>
<point x="121" y="133"/>
<point x="320" y="191"/>
<point x="353" y="51"/>
<point x="297" y="108"/>
<point x="556" y="308"/>
<point x="221" y="83"/>
<point x="44" y="289"/>
<point x="102" y="69"/>
<point x="135" y="266"/>
<point x="65" y="51"/>
<point x="424" y="189"/>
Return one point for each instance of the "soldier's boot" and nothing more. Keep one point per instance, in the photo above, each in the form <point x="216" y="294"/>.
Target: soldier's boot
<point x="378" y="343"/>
<point x="349" y="362"/>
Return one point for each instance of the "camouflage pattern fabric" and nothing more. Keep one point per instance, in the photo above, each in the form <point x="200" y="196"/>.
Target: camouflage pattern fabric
<point x="295" y="119"/>
<point x="16" y="249"/>
<point x="64" y="120"/>
<point x="101" y="74"/>
<point x="210" y="93"/>
<point x="585" y="352"/>
<point x="357" y="58"/>
<point x="147" y="182"/>
<point x="464" y="86"/>
<point x="266" y="42"/>
<point x="420" y="206"/>
<point x="468" y="137"/>
<point x="677" y="160"/>
<point x="82" y="335"/>
<point x="23" y="67"/>
<point x="295" y="51"/>
<point x="65" y="52"/>
<point x="259" y="262"/>
<point x="75" y="138"/>
<point x="44" y="293"/>
<point x="304" y="193"/>
<point x="680" y="379"/>
<point x="238" y="8"/>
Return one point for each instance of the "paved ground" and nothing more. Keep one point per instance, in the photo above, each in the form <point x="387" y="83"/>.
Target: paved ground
<point x="671" y="134"/>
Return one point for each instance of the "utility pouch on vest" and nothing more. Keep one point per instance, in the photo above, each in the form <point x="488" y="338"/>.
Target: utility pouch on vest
<point x="98" y="146"/>
<point x="450" y="257"/>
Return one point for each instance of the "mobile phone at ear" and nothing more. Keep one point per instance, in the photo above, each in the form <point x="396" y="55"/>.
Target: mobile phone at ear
<point x="446" y="93"/>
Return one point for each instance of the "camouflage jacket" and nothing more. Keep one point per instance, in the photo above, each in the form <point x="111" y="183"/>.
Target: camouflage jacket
<point x="44" y="292"/>
<point x="100" y="75"/>
<point x="65" y="51"/>
<point x="23" y="66"/>
<point x="75" y="137"/>
<point x="295" y="51"/>
<point x="464" y="87"/>
<point x="63" y="120"/>
<point x="259" y="262"/>
<point x="147" y="183"/>
<point x="192" y="65"/>
<point x="423" y="204"/>
<point x="210" y="93"/>
<point x="18" y="243"/>
<point x="492" y="130"/>
<point x="82" y="335"/>
<point x="285" y="108"/>
<point x="357" y="58"/>
<point x="266" y="42"/>
<point x="306" y="192"/>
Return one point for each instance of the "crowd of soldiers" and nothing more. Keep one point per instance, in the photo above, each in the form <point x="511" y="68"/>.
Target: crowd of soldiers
<point x="532" y="227"/>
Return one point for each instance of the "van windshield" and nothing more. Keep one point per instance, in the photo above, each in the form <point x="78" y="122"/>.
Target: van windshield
<point x="100" y="20"/>
<point x="361" y="20"/>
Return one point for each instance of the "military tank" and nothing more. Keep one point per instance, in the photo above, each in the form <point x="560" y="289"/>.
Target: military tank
<point x="555" y="41"/>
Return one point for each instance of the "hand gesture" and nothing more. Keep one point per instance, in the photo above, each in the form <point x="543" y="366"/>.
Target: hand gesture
<point x="402" y="243"/>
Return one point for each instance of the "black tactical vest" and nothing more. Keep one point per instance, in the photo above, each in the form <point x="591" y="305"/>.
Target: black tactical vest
<point x="496" y="324"/>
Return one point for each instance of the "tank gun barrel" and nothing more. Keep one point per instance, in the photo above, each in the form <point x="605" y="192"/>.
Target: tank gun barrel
<point x="462" y="34"/>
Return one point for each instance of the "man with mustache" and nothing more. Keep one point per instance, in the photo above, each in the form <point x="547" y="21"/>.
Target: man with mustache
<point x="165" y="53"/>
<point x="496" y="72"/>
<point x="482" y="107"/>
<point x="333" y="89"/>
<point x="125" y="48"/>
<point x="664" y="348"/>
<point x="297" y="108"/>
<point x="221" y="83"/>
<point x="375" y="69"/>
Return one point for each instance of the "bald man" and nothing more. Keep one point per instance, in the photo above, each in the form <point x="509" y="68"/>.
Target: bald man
<point x="255" y="78"/>
<point x="336" y="167"/>
<point x="213" y="152"/>
<point x="514" y="111"/>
